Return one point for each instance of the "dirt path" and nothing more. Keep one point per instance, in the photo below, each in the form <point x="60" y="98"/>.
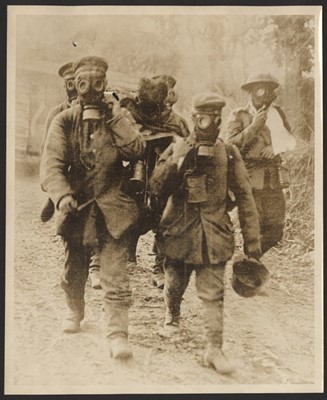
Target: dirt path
<point x="270" y="336"/>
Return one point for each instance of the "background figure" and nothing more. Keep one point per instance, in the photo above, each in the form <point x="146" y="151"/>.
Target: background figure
<point x="82" y="170"/>
<point x="195" y="232"/>
<point x="158" y="123"/>
<point x="262" y="133"/>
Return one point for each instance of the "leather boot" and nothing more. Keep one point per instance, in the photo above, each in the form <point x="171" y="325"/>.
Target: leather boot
<point x="117" y="332"/>
<point x="172" y="315"/>
<point x="214" y="357"/>
<point x="213" y="324"/>
<point x="74" y="315"/>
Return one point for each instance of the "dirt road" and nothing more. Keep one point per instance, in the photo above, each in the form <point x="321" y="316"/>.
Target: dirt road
<point x="271" y="336"/>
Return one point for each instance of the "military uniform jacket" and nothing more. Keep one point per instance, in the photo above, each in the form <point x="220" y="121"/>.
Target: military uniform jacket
<point x="183" y="224"/>
<point x="64" y="169"/>
<point x="53" y="112"/>
<point x="250" y="143"/>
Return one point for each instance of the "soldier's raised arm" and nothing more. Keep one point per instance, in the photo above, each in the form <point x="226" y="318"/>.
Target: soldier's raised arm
<point x="127" y="138"/>
<point x="167" y="175"/>
<point x="237" y="132"/>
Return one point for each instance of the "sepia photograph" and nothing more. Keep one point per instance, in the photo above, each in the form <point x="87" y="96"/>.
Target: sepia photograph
<point x="164" y="208"/>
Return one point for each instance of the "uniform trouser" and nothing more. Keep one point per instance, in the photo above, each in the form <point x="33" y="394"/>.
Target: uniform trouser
<point x="271" y="206"/>
<point x="158" y="260"/>
<point x="113" y="274"/>
<point x="210" y="289"/>
<point x="74" y="276"/>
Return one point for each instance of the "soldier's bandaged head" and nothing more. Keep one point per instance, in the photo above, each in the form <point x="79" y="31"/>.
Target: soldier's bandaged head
<point x="90" y="79"/>
<point x="207" y="108"/>
<point x="152" y="94"/>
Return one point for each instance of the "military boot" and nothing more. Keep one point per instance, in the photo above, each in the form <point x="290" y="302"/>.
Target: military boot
<point x="214" y="357"/>
<point x="213" y="323"/>
<point x="171" y="323"/>
<point x="74" y="315"/>
<point x="117" y="332"/>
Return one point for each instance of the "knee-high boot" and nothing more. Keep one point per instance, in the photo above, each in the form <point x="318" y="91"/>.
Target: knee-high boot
<point x="213" y="325"/>
<point x="117" y="331"/>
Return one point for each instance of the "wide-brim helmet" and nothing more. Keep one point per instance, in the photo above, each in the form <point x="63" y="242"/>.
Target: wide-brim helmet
<point x="249" y="276"/>
<point x="254" y="79"/>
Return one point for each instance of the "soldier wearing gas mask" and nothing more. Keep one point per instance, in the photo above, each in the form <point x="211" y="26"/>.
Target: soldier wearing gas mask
<point x="158" y="123"/>
<point x="66" y="72"/>
<point x="195" y="231"/>
<point x="82" y="171"/>
<point x="262" y="134"/>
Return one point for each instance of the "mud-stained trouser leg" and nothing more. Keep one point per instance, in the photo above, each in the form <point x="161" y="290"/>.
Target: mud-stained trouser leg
<point x="74" y="277"/>
<point x="210" y="288"/>
<point x="94" y="268"/>
<point x="271" y="206"/>
<point x="158" y="271"/>
<point x="177" y="276"/>
<point x="117" y="293"/>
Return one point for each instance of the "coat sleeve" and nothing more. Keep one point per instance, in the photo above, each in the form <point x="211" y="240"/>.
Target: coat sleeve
<point x="184" y="128"/>
<point x="50" y="117"/>
<point x="166" y="176"/>
<point x="237" y="133"/>
<point x="55" y="160"/>
<point x="247" y="210"/>
<point x="126" y="136"/>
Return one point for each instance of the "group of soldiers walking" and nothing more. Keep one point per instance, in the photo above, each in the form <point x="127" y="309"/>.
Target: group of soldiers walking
<point x="114" y="168"/>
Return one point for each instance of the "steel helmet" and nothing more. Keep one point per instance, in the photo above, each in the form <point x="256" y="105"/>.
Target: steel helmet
<point x="253" y="79"/>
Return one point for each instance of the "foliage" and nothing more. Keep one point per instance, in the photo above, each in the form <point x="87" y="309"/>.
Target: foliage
<point x="294" y="34"/>
<point x="299" y="227"/>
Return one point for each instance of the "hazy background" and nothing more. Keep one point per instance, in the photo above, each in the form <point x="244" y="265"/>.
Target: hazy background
<point x="212" y="52"/>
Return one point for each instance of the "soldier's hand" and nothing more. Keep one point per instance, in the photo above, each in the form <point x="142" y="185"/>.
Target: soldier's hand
<point x="112" y="104"/>
<point x="267" y="152"/>
<point x="254" y="254"/>
<point x="68" y="204"/>
<point x="259" y="119"/>
<point x="180" y="148"/>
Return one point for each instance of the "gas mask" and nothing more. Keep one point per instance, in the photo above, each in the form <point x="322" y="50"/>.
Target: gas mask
<point x="206" y="127"/>
<point x="90" y="86"/>
<point x="70" y="88"/>
<point x="263" y="95"/>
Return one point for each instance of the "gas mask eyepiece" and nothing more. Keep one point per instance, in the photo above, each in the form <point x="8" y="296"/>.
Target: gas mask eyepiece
<point x="83" y="86"/>
<point x="203" y="121"/>
<point x="266" y="95"/>
<point x="260" y="92"/>
<point x="70" y="85"/>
